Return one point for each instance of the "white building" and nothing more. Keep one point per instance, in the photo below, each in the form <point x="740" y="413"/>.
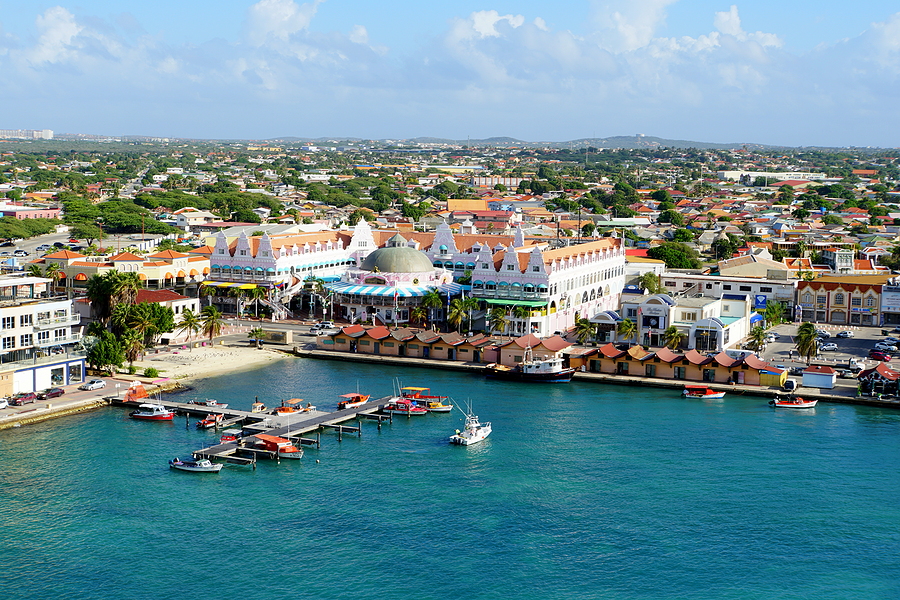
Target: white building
<point x="38" y="337"/>
<point x="761" y="291"/>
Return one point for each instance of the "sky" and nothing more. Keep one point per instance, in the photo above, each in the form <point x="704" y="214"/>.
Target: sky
<point x="795" y="73"/>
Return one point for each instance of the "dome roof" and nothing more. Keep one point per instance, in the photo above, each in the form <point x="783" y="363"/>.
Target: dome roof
<point x="397" y="259"/>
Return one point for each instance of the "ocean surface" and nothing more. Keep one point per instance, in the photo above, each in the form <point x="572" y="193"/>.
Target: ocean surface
<point x="582" y="491"/>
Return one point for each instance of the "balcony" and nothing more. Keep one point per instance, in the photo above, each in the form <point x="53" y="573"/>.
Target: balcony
<point x="58" y="341"/>
<point x="55" y="322"/>
<point x="35" y="359"/>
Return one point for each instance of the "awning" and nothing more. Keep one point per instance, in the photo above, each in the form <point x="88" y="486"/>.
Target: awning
<point x="230" y="284"/>
<point x="450" y="289"/>
<point x="512" y="302"/>
<point x="343" y="287"/>
<point x="81" y="277"/>
<point x="755" y="317"/>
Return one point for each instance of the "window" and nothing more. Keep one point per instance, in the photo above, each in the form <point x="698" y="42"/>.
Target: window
<point x="632" y="312"/>
<point x="744" y="288"/>
<point x="510" y="267"/>
<point x="9" y="342"/>
<point x="243" y="253"/>
<point x="726" y="287"/>
<point x="807" y="298"/>
<point x="265" y="253"/>
<point x="709" y="286"/>
<point x="484" y="265"/>
<point x="650" y="370"/>
<point x="821" y="299"/>
<point x="9" y="322"/>
<point x="670" y="284"/>
<point x="686" y="284"/>
<point x="680" y="373"/>
<point x="726" y="308"/>
<point x="43" y="336"/>
<point x="24" y="320"/>
<point x="688" y="316"/>
<point x="855" y="301"/>
<point x="221" y="251"/>
<point x="870" y="301"/>
<point x="709" y="375"/>
<point x="25" y="340"/>
<point x="536" y="269"/>
<point x="765" y="289"/>
<point x="838" y="298"/>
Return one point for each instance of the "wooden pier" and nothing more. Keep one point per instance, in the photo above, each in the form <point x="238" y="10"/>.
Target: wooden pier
<point x="293" y="426"/>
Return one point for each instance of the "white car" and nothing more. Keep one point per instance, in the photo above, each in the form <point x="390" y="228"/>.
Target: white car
<point x="322" y="325"/>
<point x="845" y="334"/>
<point x="829" y="346"/>
<point x="885" y="347"/>
<point x="92" y="384"/>
<point x="4" y="403"/>
<point x="890" y="340"/>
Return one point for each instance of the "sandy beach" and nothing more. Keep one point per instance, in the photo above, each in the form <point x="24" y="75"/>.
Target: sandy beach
<point x="190" y="366"/>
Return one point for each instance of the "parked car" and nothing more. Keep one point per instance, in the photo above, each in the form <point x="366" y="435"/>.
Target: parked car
<point x="23" y="398"/>
<point x="772" y="335"/>
<point x="828" y="346"/>
<point x="322" y="325"/>
<point x="878" y="355"/>
<point x="43" y="248"/>
<point x="59" y="245"/>
<point x="822" y="334"/>
<point x="845" y="334"/>
<point x="20" y="253"/>
<point x="4" y="402"/>
<point x="51" y="393"/>
<point x="847" y="373"/>
<point x="92" y="384"/>
<point x="885" y="347"/>
<point x="73" y="241"/>
<point x="891" y="340"/>
<point x="790" y="385"/>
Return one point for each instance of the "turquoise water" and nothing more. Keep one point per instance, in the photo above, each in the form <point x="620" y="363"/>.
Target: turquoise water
<point x="582" y="491"/>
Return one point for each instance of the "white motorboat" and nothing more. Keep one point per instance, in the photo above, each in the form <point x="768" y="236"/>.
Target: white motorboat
<point x="201" y="465"/>
<point x="152" y="412"/>
<point x="474" y="432"/>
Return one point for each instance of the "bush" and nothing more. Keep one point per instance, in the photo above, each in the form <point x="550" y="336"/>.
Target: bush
<point x="151" y="372"/>
<point x="132" y="369"/>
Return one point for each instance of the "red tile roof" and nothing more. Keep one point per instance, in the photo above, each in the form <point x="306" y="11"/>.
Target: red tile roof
<point x="156" y="296"/>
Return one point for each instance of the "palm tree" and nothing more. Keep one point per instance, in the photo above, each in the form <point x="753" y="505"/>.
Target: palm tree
<point x="119" y="320"/>
<point x="258" y="335"/>
<point x="497" y="319"/>
<point x="523" y="313"/>
<point x="673" y="337"/>
<point x="211" y="324"/>
<point x="124" y="287"/>
<point x="807" y="341"/>
<point x="430" y="301"/>
<point x="209" y="291"/>
<point x="318" y="291"/>
<point x="584" y="329"/>
<point x="418" y="314"/>
<point x="627" y="329"/>
<point x="456" y="313"/>
<point x="141" y="322"/>
<point x="34" y="271"/>
<point x="774" y="313"/>
<point x="97" y="291"/>
<point x="758" y="338"/>
<point x="53" y="272"/>
<point x="469" y="304"/>
<point x="190" y="323"/>
<point x="132" y="344"/>
<point x="256" y="294"/>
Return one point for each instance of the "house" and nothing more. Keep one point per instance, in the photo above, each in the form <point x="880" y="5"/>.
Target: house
<point x="819" y="376"/>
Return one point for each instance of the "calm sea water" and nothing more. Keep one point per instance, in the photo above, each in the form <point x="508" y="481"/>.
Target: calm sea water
<point x="582" y="491"/>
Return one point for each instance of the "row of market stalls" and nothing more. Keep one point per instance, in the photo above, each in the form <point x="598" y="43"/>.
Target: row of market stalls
<point x="610" y="359"/>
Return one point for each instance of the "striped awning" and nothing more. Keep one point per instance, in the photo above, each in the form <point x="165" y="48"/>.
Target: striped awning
<point x="450" y="289"/>
<point x="342" y="287"/>
<point x="230" y="284"/>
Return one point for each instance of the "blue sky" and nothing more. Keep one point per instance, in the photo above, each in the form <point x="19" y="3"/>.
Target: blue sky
<point x="802" y="72"/>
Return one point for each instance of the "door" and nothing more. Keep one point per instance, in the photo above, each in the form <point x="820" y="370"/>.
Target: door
<point x="376" y="346"/>
<point x="426" y="351"/>
<point x="401" y="350"/>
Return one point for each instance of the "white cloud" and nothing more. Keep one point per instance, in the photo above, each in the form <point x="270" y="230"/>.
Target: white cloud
<point x="278" y="19"/>
<point x="58" y="29"/>
<point x="359" y="35"/>
<point x="626" y="25"/>
<point x="729" y="23"/>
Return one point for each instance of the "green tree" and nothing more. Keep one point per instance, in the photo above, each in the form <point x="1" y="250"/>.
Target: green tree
<point x="807" y="342"/>
<point x="676" y="255"/>
<point x="584" y="330"/>
<point x="432" y="300"/>
<point x="87" y="232"/>
<point x="132" y="345"/>
<point x="257" y="335"/>
<point x="106" y="354"/>
<point x="456" y="314"/>
<point x="832" y="220"/>
<point x="627" y="329"/>
<point x="673" y="337"/>
<point x="650" y="282"/>
<point x="190" y="323"/>
<point x="683" y="235"/>
<point x="757" y="338"/>
<point x="671" y="216"/>
<point x="212" y="322"/>
<point x="497" y="320"/>
<point x="774" y="313"/>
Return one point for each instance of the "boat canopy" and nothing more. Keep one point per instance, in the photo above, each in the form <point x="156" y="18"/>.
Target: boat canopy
<point x="352" y="395"/>
<point x="416" y="389"/>
<point x="696" y="388"/>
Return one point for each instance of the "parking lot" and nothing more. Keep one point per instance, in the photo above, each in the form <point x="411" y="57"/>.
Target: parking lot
<point x="863" y="340"/>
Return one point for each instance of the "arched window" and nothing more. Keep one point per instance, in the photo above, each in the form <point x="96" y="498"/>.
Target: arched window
<point x="838" y="298"/>
<point x="870" y="301"/>
<point x="443" y="249"/>
<point x="807" y="298"/>
<point x="584" y="297"/>
<point x="529" y="287"/>
<point x="490" y="285"/>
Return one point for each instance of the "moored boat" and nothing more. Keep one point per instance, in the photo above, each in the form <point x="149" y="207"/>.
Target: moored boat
<point x="230" y="435"/>
<point x="135" y="393"/>
<point x="702" y="392"/>
<point x="420" y="397"/>
<point x="352" y="400"/>
<point x="152" y="412"/>
<point x="293" y="406"/>
<point x="473" y="432"/>
<point x="793" y="402"/>
<point x="282" y="446"/>
<point x="403" y="406"/>
<point x="210" y="421"/>
<point x="546" y="370"/>
<point x="201" y="465"/>
<point x="208" y="403"/>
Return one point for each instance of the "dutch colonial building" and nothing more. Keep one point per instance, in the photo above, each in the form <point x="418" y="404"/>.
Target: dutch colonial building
<point x="558" y="286"/>
<point x="841" y="300"/>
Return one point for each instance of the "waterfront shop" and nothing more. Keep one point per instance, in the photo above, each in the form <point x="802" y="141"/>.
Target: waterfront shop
<point x="846" y="300"/>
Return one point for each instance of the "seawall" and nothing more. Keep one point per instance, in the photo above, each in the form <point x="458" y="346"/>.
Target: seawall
<point x="741" y="390"/>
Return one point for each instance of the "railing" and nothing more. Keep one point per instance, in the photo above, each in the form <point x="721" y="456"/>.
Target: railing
<point x="69" y="339"/>
<point x="74" y="319"/>
<point x="41" y="360"/>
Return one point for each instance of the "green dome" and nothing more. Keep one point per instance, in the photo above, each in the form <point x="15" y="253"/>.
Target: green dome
<point x="398" y="259"/>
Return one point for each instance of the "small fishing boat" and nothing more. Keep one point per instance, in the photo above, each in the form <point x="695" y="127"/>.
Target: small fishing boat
<point x="230" y="435"/>
<point x="135" y="393"/>
<point x="702" y="392"/>
<point x="474" y="431"/>
<point x="210" y="421"/>
<point x="546" y="370"/>
<point x="152" y="412"/>
<point x="353" y="400"/>
<point x="293" y="406"/>
<point x="420" y="397"/>
<point x="201" y="465"/>
<point x="208" y="403"/>
<point x="402" y="406"/>
<point x="258" y="407"/>
<point x="792" y="402"/>
<point x="282" y="446"/>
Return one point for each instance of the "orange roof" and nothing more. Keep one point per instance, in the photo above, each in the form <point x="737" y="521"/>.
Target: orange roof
<point x="81" y="277"/>
<point x="65" y="254"/>
<point x="580" y="249"/>
<point x="167" y="254"/>
<point x="125" y="256"/>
